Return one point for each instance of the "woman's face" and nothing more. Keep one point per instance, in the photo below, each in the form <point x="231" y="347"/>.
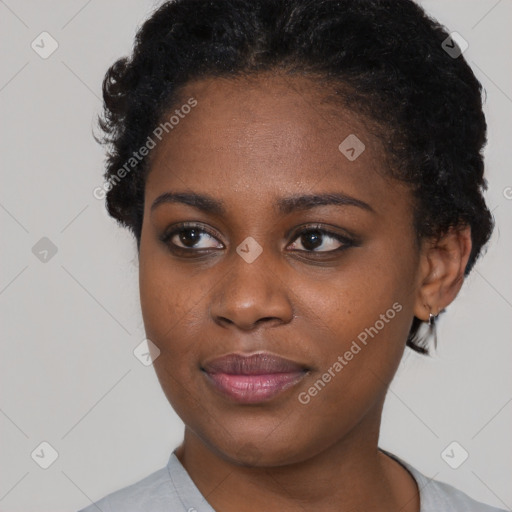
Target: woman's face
<point x="336" y="302"/>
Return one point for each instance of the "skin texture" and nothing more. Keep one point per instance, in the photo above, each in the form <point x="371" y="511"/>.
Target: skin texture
<point x="248" y="143"/>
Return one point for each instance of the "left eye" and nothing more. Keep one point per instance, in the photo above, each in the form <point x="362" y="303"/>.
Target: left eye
<point x="319" y="240"/>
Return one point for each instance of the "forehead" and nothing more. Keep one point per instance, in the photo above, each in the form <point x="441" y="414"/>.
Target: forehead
<point x="268" y="136"/>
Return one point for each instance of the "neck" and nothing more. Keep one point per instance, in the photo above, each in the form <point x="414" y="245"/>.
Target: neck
<point x="351" y="474"/>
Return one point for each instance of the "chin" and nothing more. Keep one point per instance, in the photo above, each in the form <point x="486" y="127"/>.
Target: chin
<point x="265" y="451"/>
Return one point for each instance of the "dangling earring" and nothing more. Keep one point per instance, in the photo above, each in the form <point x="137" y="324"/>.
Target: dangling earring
<point x="432" y="327"/>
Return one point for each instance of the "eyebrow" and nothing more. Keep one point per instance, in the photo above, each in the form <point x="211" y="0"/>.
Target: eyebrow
<point x="285" y="205"/>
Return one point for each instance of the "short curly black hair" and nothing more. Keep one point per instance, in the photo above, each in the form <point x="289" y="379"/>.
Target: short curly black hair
<point x="388" y="58"/>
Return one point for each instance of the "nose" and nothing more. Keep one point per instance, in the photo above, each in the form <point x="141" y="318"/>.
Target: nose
<point x="251" y="294"/>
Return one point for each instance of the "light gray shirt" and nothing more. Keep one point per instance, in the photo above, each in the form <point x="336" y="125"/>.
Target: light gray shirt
<point x="171" y="489"/>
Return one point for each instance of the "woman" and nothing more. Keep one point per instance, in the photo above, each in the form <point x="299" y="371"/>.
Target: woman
<point x="304" y="181"/>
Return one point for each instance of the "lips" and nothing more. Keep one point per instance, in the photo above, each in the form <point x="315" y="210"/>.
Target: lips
<point x="253" y="378"/>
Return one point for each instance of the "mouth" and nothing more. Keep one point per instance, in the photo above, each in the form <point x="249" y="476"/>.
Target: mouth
<point x="253" y="378"/>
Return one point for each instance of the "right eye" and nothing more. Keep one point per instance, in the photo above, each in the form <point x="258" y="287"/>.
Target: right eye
<point x="186" y="236"/>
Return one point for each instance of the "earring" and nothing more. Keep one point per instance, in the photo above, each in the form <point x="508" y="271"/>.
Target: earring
<point x="432" y="327"/>
<point x="431" y="318"/>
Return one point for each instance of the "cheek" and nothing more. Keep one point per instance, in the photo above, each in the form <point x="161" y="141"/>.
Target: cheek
<point x="169" y="304"/>
<point x="357" y="358"/>
<point x="167" y="294"/>
<point x="369" y="292"/>
<point x="365" y="312"/>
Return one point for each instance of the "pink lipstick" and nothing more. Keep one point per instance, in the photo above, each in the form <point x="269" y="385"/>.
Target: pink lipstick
<point x="255" y="378"/>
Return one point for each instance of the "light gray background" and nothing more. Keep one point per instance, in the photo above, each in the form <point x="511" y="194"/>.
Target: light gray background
<point x="69" y="326"/>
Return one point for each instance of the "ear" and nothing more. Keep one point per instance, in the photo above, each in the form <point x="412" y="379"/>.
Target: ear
<point x="441" y="271"/>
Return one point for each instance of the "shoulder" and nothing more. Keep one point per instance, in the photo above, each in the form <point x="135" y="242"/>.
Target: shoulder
<point x="153" y="493"/>
<point x="169" y="489"/>
<point x="438" y="496"/>
<point x="444" y="495"/>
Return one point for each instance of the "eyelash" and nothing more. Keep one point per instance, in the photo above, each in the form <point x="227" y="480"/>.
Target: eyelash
<point x="187" y="226"/>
